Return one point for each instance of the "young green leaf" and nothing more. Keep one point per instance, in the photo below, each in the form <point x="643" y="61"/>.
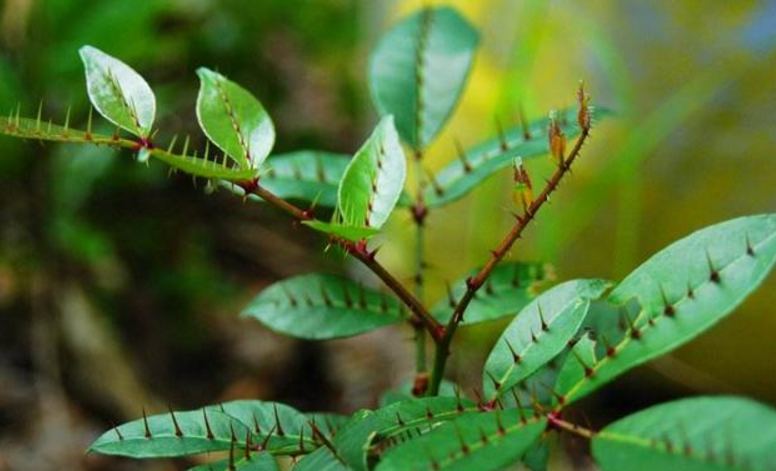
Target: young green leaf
<point x="538" y="333"/>
<point x="419" y="69"/>
<point x="685" y="289"/>
<point x="696" y="434"/>
<point x="234" y="119"/>
<point x="321" y="306"/>
<point x="374" y="179"/>
<point x="467" y="170"/>
<point x="486" y="441"/>
<point x="173" y="434"/>
<point x="261" y="461"/>
<point x="368" y="429"/>
<point x="508" y="289"/>
<point x="119" y="93"/>
<point x="280" y="428"/>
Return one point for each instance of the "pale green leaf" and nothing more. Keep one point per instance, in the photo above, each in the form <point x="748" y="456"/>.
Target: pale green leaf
<point x="234" y="119"/>
<point x="418" y="71"/>
<point x="685" y="289"/>
<point x="486" y="441"/>
<point x="322" y="306"/>
<point x="119" y="93"/>
<point x="538" y="333"/>
<point x="696" y="434"/>
<point x="374" y="179"/>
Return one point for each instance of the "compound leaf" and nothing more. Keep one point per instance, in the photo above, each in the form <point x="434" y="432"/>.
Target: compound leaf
<point x="538" y="333"/>
<point x="173" y="434"/>
<point x="487" y="441"/>
<point x="234" y="119"/>
<point x="322" y="306"/>
<point x="683" y="290"/>
<point x="508" y="289"/>
<point x="696" y="434"/>
<point x="118" y="93"/>
<point x="373" y="180"/>
<point x="418" y="70"/>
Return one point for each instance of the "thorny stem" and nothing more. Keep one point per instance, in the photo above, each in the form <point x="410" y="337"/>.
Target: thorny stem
<point x="360" y="252"/>
<point x="419" y="212"/>
<point x="474" y="283"/>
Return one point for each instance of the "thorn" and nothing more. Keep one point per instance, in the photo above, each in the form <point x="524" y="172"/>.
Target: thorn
<point x="40" y="113"/>
<point x="178" y="431"/>
<point x="247" y="453"/>
<point x="231" y="466"/>
<point x="519" y="404"/>
<point x="277" y="421"/>
<point x="209" y="435"/>
<point x="489" y="288"/>
<point x="611" y="351"/>
<point x="499" y="424"/>
<point x="464" y="447"/>
<point x="301" y="440"/>
<point x="361" y="296"/>
<point x="118" y="433"/>
<point x="749" y="247"/>
<point x="67" y="120"/>
<point x="669" y="310"/>
<point x="690" y="291"/>
<point x="264" y="442"/>
<point x="89" y="123"/>
<point x="148" y="435"/>
<point x="533" y="337"/>
<point x="589" y="372"/>
<point x="399" y="420"/>
<point x="459" y="406"/>
<point x="559" y="397"/>
<point x="635" y="333"/>
<point x="515" y="356"/>
<point x="524" y="123"/>
<point x="185" y="146"/>
<point x="438" y="190"/>
<point x="346" y="296"/>
<point x="467" y="168"/>
<point x="233" y="436"/>
<point x="483" y="436"/>
<point x="171" y="147"/>
<point x="325" y="295"/>
<point x="502" y="139"/>
<point x="429" y="414"/>
<point x="545" y="327"/>
<point x="496" y="383"/>
<point x="713" y="273"/>
<point x="291" y="299"/>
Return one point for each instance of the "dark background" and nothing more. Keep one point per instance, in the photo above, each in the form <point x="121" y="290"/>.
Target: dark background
<point x="121" y="287"/>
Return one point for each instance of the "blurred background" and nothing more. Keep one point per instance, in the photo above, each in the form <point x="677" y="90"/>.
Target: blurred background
<point x="121" y="287"/>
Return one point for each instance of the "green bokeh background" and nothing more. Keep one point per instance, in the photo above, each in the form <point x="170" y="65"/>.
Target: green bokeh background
<point x="120" y="286"/>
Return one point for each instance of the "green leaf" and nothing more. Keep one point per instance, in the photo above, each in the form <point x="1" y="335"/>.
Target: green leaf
<point x="322" y="459"/>
<point x="374" y="179"/>
<point x="685" y="289"/>
<point x="119" y="93"/>
<point x="367" y="429"/>
<point x="286" y="427"/>
<point x="418" y="71"/>
<point x="462" y="175"/>
<point x="161" y="440"/>
<point x="234" y="119"/>
<point x="537" y="457"/>
<point x="321" y="306"/>
<point x="309" y="176"/>
<point x="328" y="423"/>
<point x="351" y="233"/>
<point x="486" y="441"/>
<point x="538" y="333"/>
<point x="509" y="288"/>
<point x="576" y="366"/>
<point x="697" y="434"/>
<point x="261" y="461"/>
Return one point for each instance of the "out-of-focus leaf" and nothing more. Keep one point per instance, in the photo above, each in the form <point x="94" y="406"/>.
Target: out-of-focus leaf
<point x="322" y="306"/>
<point x="486" y="441"/>
<point x="696" y="434"/>
<point x="196" y="432"/>
<point x="309" y="176"/>
<point x="538" y="333"/>
<point x="261" y="461"/>
<point x="419" y="69"/>
<point x="466" y="172"/>
<point x="685" y="289"/>
<point x="508" y="289"/>
<point x="374" y="179"/>
<point x="234" y="119"/>
<point x="119" y="93"/>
